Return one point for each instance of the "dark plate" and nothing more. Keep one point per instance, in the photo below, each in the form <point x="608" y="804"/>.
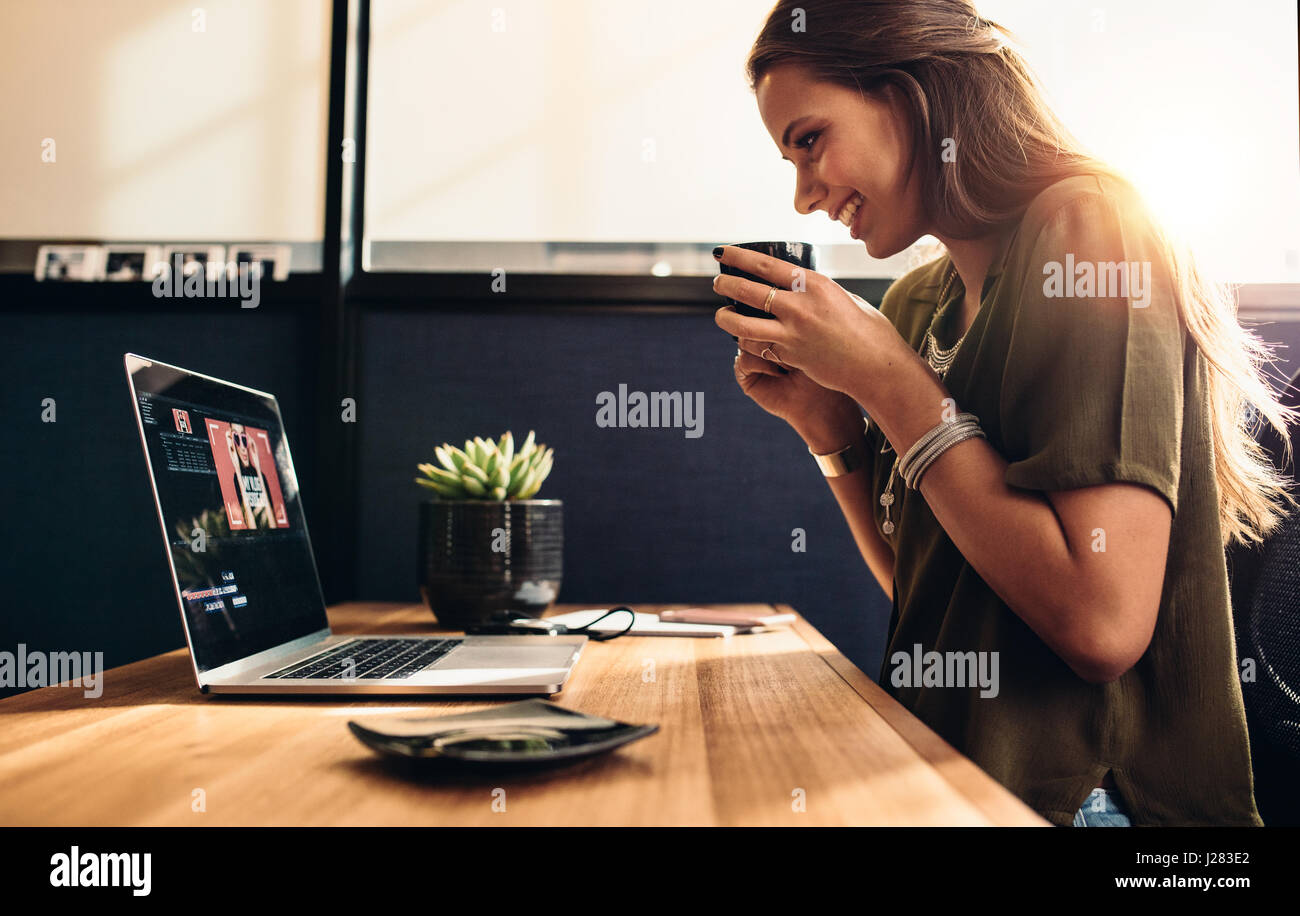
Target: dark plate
<point x="481" y="742"/>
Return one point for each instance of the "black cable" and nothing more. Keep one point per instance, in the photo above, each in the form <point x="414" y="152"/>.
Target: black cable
<point x="585" y="629"/>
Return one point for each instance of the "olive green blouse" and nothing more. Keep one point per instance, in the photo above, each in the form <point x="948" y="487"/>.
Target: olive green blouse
<point x="1076" y="384"/>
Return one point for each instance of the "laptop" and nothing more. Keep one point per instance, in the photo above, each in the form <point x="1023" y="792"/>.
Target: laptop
<point x="245" y="576"/>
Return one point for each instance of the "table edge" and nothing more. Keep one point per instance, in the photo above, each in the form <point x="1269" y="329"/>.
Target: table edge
<point x="981" y="790"/>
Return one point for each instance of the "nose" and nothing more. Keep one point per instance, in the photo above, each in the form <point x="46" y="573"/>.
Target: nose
<point x="808" y="193"/>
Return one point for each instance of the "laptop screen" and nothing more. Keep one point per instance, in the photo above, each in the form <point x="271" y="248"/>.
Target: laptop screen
<point x="231" y="511"/>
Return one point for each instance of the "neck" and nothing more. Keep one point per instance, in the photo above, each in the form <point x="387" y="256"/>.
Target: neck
<point x="973" y="257"/>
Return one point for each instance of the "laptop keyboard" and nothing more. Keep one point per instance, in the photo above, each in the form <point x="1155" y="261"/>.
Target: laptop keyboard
<point x="370" y="658"/>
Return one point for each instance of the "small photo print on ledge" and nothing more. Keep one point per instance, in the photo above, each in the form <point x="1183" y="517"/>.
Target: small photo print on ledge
<point x="128" y="263"/>
<point x="274" y="259"/>
<point x="69" y="262"/>
<point x="210" y="259"/>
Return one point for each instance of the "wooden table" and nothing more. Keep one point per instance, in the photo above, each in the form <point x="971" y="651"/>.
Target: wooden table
<point x="752" y="729"/>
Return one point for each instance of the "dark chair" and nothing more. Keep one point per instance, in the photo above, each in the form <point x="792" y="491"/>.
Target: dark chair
<point x="1265" y="583"/>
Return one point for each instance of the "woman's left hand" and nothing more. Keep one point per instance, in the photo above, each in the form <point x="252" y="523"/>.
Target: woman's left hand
<point x="817" y="326"/>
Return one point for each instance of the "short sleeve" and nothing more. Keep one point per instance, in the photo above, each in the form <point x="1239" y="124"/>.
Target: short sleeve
<point x="1092" y="392"/>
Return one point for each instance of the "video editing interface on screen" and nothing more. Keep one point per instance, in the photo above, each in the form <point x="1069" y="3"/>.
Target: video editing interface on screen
<point x="232" y="515"/>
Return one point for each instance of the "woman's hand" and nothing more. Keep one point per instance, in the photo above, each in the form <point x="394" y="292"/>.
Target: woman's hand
<point x="826" y="420"/>
<point x="819" y="330"/>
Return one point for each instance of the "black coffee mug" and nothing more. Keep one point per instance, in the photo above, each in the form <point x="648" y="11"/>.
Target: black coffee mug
<point x="800" y="254"/>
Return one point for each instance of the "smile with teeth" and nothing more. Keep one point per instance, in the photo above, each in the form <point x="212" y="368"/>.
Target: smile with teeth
<point x="849" y="210"/>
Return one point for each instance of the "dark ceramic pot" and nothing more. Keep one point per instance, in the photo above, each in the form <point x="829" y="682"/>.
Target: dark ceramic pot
<point x="481" y="556"/>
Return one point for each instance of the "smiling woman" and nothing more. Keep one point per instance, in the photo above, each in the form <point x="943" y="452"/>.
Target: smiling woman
<point x="1050" y="469"/>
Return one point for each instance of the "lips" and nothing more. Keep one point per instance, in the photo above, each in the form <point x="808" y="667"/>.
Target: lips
<point x="849" y="213"/>
<point x="857" y="220"/>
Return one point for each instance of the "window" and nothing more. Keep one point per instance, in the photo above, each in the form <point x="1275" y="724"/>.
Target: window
<point x="142" y="121"/>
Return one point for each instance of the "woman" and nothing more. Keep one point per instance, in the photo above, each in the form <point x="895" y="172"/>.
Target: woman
<point x="1055" y="454"/>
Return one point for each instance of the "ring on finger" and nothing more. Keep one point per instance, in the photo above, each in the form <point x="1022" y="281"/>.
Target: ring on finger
<point x="767" y="303"/>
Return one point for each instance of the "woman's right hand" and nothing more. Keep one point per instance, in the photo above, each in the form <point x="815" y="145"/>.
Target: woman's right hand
<point x="825" y="419"/>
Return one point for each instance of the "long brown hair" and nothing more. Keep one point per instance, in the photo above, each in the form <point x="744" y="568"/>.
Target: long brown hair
<point x="966" y="87"/>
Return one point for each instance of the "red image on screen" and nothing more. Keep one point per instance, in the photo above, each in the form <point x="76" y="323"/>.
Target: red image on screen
<point x="182" y="419"/>
<point x="250" y="486"/>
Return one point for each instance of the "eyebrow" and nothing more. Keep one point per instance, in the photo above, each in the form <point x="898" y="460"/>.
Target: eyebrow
<point x="785" y="137"/>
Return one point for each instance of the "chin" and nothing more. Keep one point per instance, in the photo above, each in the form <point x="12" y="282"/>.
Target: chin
<point x="881" y="248"/>
<point x="874" y="248"/>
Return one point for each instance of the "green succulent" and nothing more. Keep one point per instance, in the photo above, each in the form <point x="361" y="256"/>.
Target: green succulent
<point x="488" y="470"/>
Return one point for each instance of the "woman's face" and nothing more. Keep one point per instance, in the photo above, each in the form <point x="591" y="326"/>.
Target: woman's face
<point x="240" y="439"/>
<point x="844" y="143"/>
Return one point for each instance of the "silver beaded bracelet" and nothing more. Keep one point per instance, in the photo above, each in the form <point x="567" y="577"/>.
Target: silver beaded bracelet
<point x="927" y="438"/>
<point x="934" y="443"/>
<point x="929" y="446"/>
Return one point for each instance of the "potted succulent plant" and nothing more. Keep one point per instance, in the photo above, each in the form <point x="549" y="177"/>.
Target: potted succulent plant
<point x="485" y="544"/>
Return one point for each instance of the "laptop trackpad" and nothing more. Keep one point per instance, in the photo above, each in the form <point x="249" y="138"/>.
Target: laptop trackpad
<point x="540" y="656"/>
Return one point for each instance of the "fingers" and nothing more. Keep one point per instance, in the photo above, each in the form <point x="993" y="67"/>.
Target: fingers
<point x="747" y="364"/>
<point x="751" y="293"/>
<point x="763" y="350"/>
<point x="778" y="273"/>
<point x="742" y="326"/>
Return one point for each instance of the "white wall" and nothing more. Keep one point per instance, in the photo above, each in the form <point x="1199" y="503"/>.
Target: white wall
<point x="1196" y="100"/>
<point x="539" y="131"/>
<point x="585" y="120"/>
<point x="161" y="132"/>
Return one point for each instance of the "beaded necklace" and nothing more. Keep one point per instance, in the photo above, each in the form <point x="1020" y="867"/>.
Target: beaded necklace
<point x="940" y="361"/>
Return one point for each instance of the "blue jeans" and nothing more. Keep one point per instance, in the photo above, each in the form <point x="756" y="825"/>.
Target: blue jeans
<point x="1102" y="808"/>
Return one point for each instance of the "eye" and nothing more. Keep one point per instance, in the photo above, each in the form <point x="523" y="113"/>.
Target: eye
<point x="803" y="142"/>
